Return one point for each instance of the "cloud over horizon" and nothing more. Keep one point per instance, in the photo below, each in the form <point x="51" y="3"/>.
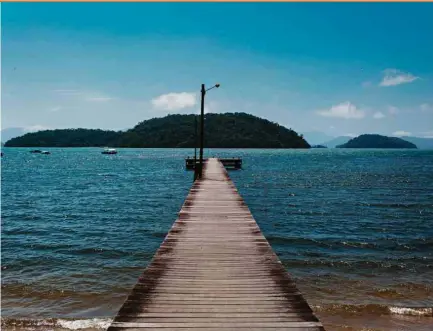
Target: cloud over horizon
<point x="401" y="133"/>
<point x="378" y="115"/>
<point x="83" y="95"/>
<point x="425" y="107"/>
<point x="393" y="110"/>
<point x="174" y="101"/>
<point x="345" y="110"/>
<point x="35" y="128"/>
<point x="393" y="77"/>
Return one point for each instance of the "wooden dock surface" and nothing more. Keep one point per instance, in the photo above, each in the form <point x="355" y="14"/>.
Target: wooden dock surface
<point x="215" y="271"/>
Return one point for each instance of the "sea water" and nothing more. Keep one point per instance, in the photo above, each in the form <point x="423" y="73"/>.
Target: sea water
<point x="354" y="228"/>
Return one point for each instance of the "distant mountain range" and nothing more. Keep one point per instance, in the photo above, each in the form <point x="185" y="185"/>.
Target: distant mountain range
<point x="336" y="141"/>
<point x="421" y="143"/>
<point x="316" y="137"/>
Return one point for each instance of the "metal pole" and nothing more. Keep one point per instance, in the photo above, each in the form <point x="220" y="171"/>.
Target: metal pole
<point x="203" y="92"/>
<point x="195" y="138"/>
<point x="195" y="147"/>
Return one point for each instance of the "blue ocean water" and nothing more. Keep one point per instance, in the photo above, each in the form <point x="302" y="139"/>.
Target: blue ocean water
<point x="353" y="227"/>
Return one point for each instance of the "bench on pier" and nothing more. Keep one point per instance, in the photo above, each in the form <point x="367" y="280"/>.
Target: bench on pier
<point x="233" y="163"/>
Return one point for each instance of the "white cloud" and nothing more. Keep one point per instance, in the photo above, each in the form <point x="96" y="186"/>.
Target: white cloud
<point x="175" y="101"/>
<point x="34" y="128"/>
<point x="394" y="77"/>
<point x="54" y="109"/>
<point x="425" y="107"/>
<point x="393" y="110"/>
<point x="68" y="92"/>
<point x="87" y="96"/>
<point x="401" y="133"/>
<point x="99" y="98"/>
<point x="344" y="110"/>
<point x="427" y="134"/>
<point x="378" y="115"/>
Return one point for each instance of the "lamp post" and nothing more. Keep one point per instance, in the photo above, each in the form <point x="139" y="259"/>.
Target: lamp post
<point x="195" y="142"/>
<point x="203" y="93"/>
<point x="195" y="148"/>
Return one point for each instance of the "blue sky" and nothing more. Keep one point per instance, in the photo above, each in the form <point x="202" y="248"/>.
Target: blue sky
<point x="337" y="68"/>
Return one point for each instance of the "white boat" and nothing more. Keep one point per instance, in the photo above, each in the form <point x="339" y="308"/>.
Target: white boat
<point x="109" y="151"/>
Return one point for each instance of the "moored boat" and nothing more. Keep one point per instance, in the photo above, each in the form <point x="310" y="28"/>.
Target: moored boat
<point x="109" y="151"/>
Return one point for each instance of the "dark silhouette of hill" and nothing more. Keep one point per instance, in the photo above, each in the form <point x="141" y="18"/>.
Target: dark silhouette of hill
<point x="376" y="141"/>
<point x="230" y="130"/>
<point x="65" y="138"/>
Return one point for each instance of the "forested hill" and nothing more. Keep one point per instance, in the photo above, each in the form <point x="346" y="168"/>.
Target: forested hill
<point x="230" y="130"/>
<point x="66" y="138"/>
<point x="377" y="141"/>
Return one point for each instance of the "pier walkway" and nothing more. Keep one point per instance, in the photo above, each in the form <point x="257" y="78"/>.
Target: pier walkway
<point x="215" y="271"/>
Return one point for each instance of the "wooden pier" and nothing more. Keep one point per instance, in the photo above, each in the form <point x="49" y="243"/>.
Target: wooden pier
<point x="233" y="163"/>
<point x="215" y="271"/>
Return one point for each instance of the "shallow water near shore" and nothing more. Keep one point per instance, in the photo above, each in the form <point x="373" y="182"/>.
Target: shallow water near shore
<point x="352" y="227"/>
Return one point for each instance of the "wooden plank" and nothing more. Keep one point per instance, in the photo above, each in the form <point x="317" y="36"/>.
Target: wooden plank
<point x="209" y="320"/>
<point x="128" y="310"/>
<point x="217" y="329"/>
<point x="215" y="271"/>
<point x="249" y="315"/>
<point x="218" y="325"/>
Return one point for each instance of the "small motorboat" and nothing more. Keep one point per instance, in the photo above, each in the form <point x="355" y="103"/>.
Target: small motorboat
<point x="109" y="151"/>
<point x="45" y="152"/>
<point x="36" y="151"/>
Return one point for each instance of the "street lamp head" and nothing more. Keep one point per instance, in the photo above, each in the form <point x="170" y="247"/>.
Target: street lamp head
<point x="217" y="85"/>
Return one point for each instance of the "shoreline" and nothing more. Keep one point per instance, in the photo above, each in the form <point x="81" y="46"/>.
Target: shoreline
<point x="420" y="319"/>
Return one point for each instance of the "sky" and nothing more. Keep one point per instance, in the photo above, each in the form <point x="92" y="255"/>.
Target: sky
<point x="338" y="68"/>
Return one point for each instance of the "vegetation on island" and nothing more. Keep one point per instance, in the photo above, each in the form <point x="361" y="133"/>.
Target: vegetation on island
<point x="376" y="141"/>
<point x="65" y="138"/>
<point x="229" y="130"/>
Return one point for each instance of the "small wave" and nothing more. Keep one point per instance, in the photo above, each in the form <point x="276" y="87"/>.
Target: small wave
<point x="375" y="309"/>
<point x="411" y="311"/>
<point x="275" y="239"/>
<point x="358" y="244"/>
<point x="419" y="244"/>
<point x="397" y="205"/>
<point x="67" y="324"/>
<point x="351" y="265"/>
<point x="23" y="290"/>
<point x="95" y="323"/>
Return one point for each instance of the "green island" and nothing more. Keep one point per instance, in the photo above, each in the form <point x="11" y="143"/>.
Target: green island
<point x="229" y="130"/>
<point x="377" y="141"/>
